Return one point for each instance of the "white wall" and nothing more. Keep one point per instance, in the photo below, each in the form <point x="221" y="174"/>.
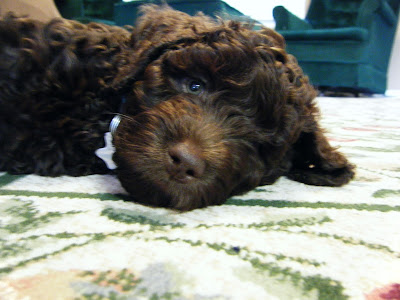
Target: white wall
<point x="394" y="67"/>
<point x="261" y="10"/>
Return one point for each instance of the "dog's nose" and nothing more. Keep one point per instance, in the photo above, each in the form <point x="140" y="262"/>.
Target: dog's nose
<point x="185" y="163"/>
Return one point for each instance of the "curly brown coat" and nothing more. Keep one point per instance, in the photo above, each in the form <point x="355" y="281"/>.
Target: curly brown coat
<point x="214" y="108"/>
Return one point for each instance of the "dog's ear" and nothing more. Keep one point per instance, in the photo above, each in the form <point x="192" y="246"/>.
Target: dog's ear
<point x="305" y="151"/>
<point x="316" y="162"/>
<point x="313" y="160"/>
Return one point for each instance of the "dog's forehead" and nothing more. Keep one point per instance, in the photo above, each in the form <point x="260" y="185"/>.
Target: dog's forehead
<point x="229" y="38"/>
<point x="222" y="51"/>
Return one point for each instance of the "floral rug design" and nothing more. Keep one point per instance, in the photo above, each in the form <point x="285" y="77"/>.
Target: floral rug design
<point x="78" y="238"/>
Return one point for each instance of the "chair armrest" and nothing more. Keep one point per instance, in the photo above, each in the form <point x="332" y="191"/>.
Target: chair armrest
<point x="369" y="7"/>
<point x="285" y="20"/>
<point x="388" y="13"/>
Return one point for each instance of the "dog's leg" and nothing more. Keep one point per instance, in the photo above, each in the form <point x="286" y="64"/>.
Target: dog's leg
<point x="315" y="162"/>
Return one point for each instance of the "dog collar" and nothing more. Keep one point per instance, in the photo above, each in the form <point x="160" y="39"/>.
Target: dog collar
<point x="117" y="119"/>
<point x="114" y="124"/>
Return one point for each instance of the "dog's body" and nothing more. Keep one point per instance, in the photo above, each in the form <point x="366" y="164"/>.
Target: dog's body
<point x="54" y="107"/>
<point x="213" y="109"/>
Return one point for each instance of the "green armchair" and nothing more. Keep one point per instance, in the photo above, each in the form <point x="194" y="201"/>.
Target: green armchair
<point x="342" y="45"/>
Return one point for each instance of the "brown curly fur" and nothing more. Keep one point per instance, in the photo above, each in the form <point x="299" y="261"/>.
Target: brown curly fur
<point x="54" y="102"/>
<point x="252" y="120"/>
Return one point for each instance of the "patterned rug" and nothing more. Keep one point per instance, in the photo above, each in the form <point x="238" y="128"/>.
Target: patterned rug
<point x="75" y="238"/>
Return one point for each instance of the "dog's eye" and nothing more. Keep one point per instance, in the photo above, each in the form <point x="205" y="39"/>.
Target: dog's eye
<point x="195" y="87"/>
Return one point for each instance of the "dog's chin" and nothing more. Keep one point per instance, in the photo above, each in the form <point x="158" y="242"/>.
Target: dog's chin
<point x="169" y="193"/>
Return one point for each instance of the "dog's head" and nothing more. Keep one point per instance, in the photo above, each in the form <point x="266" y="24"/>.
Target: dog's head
<point x="213" y="109"/>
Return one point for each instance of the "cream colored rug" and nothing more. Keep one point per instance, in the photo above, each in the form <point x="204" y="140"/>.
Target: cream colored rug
<point x="75" y="238"/>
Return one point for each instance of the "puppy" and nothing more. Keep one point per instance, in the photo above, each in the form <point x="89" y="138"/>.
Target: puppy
<point x="211" y="108"/>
